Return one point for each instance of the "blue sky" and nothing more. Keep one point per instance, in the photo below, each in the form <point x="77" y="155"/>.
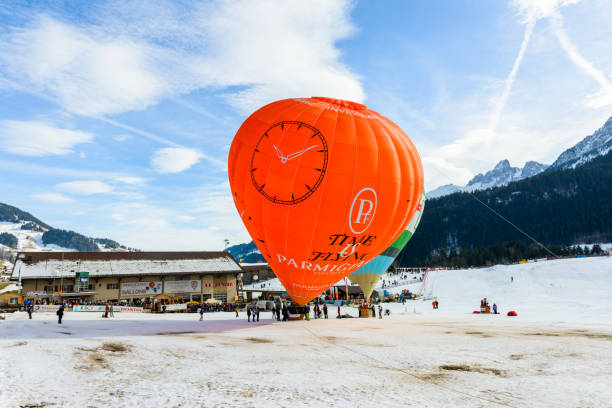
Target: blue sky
<point x="116" y="119"/>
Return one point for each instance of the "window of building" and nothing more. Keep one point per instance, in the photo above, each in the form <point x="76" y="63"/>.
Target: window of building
<point x="112" y="286"/>
<point x="50" y="288"/>
<point x="67" y="288"/>
<point x="221" y="297"/>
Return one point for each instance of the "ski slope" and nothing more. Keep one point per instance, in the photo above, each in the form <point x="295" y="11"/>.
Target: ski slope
<point x="565" y="290"/>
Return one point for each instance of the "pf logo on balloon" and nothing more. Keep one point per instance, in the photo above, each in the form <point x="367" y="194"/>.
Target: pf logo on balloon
<point x="363" y="210"/>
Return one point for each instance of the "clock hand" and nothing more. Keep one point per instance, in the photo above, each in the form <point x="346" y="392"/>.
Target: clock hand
<point x="301" y="152"/>
<point x="280" y="154"/>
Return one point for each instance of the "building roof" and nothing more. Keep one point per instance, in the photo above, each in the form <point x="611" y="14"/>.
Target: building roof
<point x="49" y="265"/>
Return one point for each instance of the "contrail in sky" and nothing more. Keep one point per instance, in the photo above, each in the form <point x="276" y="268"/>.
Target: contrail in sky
<point x="605" y="95"/>
<point x="501" y="103"/>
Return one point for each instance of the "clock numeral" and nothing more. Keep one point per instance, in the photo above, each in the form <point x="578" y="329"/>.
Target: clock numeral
<point x="252" y="170"/>
<point x="292" y="197"/>
<point x="299" y="126"/>
<point x="321" y="151"/>
<point x="266" y="134"/>
<point x="307" y="186"/>
<point x="256" y="150"/>
<point x="282" y="126"/>
<point x="262" y="186"/>
<point x="313" y="135"/>
<point x="318" y="169"/>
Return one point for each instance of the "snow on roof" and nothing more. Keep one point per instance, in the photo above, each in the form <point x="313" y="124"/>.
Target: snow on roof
<point x="10" y="288"/>
<point x="64" y="265"/>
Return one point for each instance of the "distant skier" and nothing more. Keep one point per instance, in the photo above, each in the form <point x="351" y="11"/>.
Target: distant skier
<point x="112" y="310"/>
<point x="379" y="311"/>
<point x="494" y="308"/>
<point x="325" y="310"/>
<point x="30" y="310"/>
<point x="236" y="309"/>
<point x="60" y="314"/>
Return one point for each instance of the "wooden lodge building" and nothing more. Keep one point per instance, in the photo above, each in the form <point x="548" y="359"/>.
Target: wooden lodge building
<point x="130" y="277"/>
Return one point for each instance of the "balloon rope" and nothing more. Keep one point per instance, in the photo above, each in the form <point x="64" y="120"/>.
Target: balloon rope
<point x="502" y="217"/>
<point x="517" y="228"/>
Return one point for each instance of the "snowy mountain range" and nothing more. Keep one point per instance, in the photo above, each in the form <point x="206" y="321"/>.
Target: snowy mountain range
<point x="501" y="175"/>
<point x="21" y="231"/>
<point x="598" y="144"/>
<point x="595" y="145"/>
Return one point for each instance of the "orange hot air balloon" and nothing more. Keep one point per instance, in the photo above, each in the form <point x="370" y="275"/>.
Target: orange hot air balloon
<point x="323" y="186"/>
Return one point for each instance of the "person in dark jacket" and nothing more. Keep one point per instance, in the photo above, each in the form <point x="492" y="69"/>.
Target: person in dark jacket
<point x="60" y="314"/>
<point x="249" y="314"/>
<point x="285" y="313"/>
<point x="325" y="310"/>
<point x="30" y="310"/>
<point x="256" y="313"/>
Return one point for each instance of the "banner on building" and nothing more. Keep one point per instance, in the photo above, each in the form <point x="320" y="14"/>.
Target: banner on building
<point x="36" y="293"/>
<point x="88" y="308"/>
<point x="46" y="308"/>
<point x="176" y="306"/>
<point x="128" y="309"/>
<point x="183" y="286"/>
<point x="146" y="288"/>
<point x="102" y="308"/>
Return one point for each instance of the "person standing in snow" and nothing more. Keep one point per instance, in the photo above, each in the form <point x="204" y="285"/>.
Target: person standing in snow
<point x="201" y="313"/>
<point x="379" y="311"/>
<point x="307" y="311"/>
<point x="494" y="308"/>
<point x="325" y="310"/>
<point x="236" y="310"/>
<point x="257" y="312"/>
<point x="29" y="309"/>
<point x="60" y="314"/>
<point x="112" y="310"/>
<point x="339" y="312"/>
<point x="248" y="314"/>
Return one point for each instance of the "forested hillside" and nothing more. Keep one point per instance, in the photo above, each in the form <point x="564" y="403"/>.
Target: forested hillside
<point x="558" y="207"/>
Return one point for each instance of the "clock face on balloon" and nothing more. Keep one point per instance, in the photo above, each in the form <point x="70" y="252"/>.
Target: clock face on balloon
<point x="289" y="162"/>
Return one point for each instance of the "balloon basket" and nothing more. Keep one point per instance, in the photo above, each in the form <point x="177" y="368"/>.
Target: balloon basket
<point x="365" y="312"/>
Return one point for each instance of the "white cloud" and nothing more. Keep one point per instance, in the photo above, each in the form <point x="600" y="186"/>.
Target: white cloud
<point x="86" y="187"/>
<point x="130" y="179"/>
<point x="132" y="57"/>
<point x="52" y="198"/>
<point x="38" y="138"/>
<point x="174" y="159"/>
<point x="87" y="75"/>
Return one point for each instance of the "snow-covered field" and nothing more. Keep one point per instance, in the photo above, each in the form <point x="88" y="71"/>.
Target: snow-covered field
<point x="557" y="352"/>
